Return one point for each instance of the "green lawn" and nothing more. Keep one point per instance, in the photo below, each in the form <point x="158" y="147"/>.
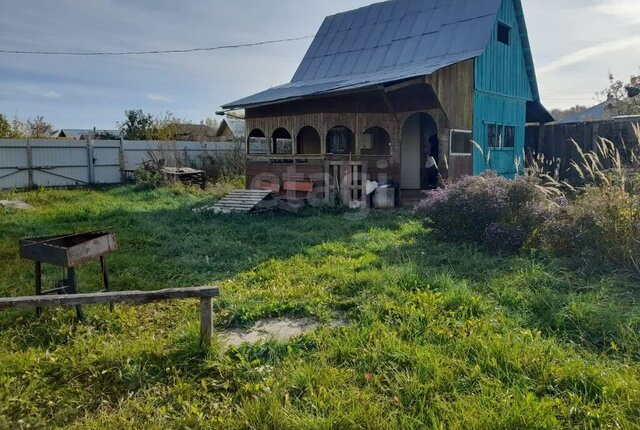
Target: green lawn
<point x="438" y="335"/>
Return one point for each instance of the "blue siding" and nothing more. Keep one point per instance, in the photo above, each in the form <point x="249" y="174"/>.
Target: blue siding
<point x="495" y="109"/>
<point x="502" y="89"/>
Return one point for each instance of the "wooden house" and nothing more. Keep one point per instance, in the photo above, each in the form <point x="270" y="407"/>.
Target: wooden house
<point x="231" y="129"/>
<point x="383" y="87"/>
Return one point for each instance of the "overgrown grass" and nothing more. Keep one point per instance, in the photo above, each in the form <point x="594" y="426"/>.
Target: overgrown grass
<point x="438" y="335"/>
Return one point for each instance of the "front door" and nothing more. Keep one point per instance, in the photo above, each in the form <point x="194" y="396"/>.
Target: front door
<point x="410" y="155"/>
<point x="418" y="133"/>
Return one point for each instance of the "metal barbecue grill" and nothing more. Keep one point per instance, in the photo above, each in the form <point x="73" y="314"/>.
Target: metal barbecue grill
<point x="69" y="252"/>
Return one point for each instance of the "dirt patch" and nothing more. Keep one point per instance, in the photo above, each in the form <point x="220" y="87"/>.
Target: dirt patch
<point x="15" y="204"/>
<point x="278" y="329"/>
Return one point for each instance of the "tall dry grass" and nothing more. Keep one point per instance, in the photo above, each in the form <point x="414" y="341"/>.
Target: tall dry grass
<point x="598" y="218"/>
<point x="608" y="166"/>
<point x="603" y="218"/>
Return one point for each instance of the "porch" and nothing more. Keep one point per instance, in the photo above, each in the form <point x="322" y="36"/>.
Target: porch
<point x="384" y="134"/>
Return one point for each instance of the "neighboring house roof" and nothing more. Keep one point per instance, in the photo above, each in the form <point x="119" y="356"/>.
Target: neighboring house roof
<point x="194" y="132"/>
<point x="602" y="112"/>
<point x="389" y="42"/>
<point x="236" y="126"/>
<point x="595" y="113"/>
<point x="83" y="134"/>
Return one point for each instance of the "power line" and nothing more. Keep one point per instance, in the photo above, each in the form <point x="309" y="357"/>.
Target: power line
<point x="166" y="51"/>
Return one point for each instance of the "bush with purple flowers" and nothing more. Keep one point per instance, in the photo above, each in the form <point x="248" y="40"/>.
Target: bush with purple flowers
<point x="487" y="207"/>
<point x="504" y="239"/>
<point x="596" y="222"/>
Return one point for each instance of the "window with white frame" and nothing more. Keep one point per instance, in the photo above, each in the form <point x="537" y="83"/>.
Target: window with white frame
<point x="461" y="142"/>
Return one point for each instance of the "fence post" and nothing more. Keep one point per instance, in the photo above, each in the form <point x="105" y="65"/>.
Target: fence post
<point x="122" y="161"/>
<point x="90" y="166"/>
<point x="30" y="163"/>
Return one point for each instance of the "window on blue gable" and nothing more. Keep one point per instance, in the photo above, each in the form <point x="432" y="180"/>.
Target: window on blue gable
<point x="501" y="136"/>
<point x="504" y="33"/>
<point x="493" y="136"/>
<point x="509" y="139"/>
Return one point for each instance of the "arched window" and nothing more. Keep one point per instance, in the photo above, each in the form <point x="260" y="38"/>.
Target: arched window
<point x="309" y="141"/>
<point x="340" y="140"/>
<point x="282" y="142"/>
<point x="257" y="142"/>
<point x="376" y="141"/>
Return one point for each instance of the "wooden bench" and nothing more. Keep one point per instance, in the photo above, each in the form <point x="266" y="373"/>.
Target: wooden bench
<point x="269" y="186"/>
<point x="304" y="187"/>
<point x="205" y="294"/>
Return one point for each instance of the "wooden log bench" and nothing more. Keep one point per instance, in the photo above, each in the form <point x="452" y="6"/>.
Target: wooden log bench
<point x="205" y="294"/>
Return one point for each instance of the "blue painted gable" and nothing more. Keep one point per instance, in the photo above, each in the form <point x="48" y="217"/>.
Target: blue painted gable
<point x="504" y="83"/>
<point x="502" y="69"/>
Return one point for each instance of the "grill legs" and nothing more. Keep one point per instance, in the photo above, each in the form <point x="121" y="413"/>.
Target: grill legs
<point x="72" y="288"/>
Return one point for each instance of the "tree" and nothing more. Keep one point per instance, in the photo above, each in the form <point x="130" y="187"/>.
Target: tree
<point x="38" y="128"/>
<point x="211" y="123"/>
<point x="105" y="135"/>
<point x="6" y="130"/>
<point x="20" y="129"/>
<point x="137" y="126"/>
<point x="624" y="96"/>
<point x="166" y="127"/>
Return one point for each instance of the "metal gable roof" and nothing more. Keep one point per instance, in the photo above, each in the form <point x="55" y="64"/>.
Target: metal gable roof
<point x="595" y="113"/>
<point x="386" y="42"/>
<point x="237" y="126"/>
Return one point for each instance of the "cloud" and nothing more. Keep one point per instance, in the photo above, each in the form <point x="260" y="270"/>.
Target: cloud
<point x="88" y="91"/>
<point x="159" y="98"/>
<point x="585" y="54"/>
<point x="49" y="94"/>
<point x="626" y="10"/>
<point x="39" y="92"/>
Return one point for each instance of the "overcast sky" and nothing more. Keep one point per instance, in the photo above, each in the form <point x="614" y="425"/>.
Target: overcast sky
<point x="575" y="44"/>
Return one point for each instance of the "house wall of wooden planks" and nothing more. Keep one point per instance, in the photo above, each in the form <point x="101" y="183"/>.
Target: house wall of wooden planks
<point x="446" y="97"/>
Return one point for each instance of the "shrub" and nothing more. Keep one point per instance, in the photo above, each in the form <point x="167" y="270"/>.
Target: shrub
<point x="148" y="179"/>
<point x="463" y="210"/>
<point x="475" y="207"/>
<point x="603" y="223"/>
<point x="504" y="239"/>
<point x="224" y="164"/>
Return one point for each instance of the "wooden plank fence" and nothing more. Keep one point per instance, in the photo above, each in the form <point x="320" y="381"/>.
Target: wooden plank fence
<point x="554" y="141"/>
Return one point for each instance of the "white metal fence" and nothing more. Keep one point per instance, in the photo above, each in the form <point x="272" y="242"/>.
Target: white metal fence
<point x="63" y="163"/>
